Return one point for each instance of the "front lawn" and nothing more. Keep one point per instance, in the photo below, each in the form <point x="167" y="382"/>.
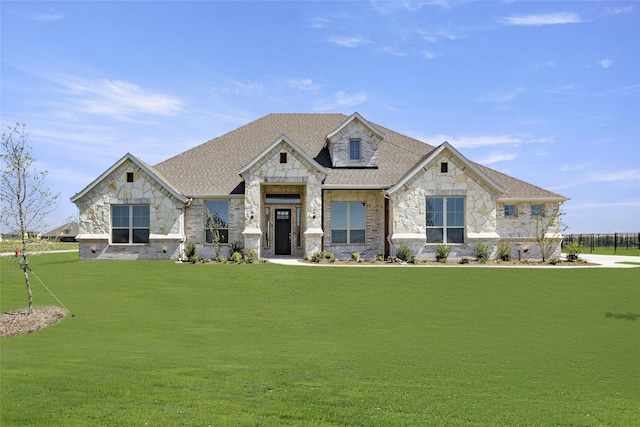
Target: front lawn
<point x="160" y="343"/>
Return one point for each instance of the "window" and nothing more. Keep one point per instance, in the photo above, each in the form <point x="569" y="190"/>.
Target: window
<point x="444" y="167"/>
<point x="509" y="210"/>
<point x="536" y="210"/>
<point x="283" y="157"/>
<point x="348" y="221"/>
<point x="129" y="224"/>
<point x="217" y="221"/>
<point x="129" y="176"/>
<point x="354" y="149"/>
<point x="445" y="219"/>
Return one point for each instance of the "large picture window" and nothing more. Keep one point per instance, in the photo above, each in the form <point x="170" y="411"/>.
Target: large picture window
<point x="129" y="224"/>
<point x="348" y="222"/>
<point x="445" y="219"/>
<point x="217" y="221"/>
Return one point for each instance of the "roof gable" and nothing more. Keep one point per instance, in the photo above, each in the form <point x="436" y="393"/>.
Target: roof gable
<point x="433" y="155"/>
<point x="139" y="163"/>
<point x="310" y="163"/>
<point x="351" y="118"/>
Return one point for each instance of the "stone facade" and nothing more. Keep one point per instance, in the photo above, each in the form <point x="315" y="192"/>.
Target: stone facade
<point x="282" y="166"/>
<point x="166" y="216"/>
<point x="286" y="180"/>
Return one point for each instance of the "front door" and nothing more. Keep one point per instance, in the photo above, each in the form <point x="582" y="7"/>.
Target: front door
<point x="283" y="232"/>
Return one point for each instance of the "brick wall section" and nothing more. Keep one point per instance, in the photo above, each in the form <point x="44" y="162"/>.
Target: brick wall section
<point x="339" y="146"/>
<point x="374" y="233"/>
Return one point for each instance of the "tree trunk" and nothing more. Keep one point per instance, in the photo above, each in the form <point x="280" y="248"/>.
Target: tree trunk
<point x="25" y="268"/>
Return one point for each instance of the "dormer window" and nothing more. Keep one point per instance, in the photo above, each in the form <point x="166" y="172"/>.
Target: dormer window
<point x="354" y="149"/>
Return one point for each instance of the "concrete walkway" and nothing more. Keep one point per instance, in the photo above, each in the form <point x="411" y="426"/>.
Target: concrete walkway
<point x="603" y="261"/>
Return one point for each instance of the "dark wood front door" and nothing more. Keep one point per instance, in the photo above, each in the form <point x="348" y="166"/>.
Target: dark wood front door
<point x="283" y="232"/>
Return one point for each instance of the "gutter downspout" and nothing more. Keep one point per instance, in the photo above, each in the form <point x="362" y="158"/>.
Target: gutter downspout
<point x="182" y="224"/>
<point x="387" y="222"/>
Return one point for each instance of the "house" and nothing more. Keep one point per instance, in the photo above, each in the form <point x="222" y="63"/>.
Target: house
<point x="296" y="184"/>
<point x="64" y="233"/>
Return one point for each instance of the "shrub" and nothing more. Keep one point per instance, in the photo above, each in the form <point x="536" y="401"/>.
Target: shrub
<point x="355" y="256"/>
<point x="504" y="251"/>
<point x="206" y="260"/>
<point x="573" y="250"/>
<point x="236" y="256"/>
<point x="319" y="256"/>
<point x="554" y="261"/>
<point x="391" y="259"/>
<point x="221" y="258"/>
<point x="190" y="252"/>
<point x="464" y="260"/>
<point x="250" y="256"/>
<point x="483" y="251"/>
<point x="236" y="246"/>
<point x="442" y="253"/>
<point x="405" y="253"/>
<point x="380" y="257"/>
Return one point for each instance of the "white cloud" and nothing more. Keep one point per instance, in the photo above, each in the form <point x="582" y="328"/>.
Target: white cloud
<point x="631" y="176"/>
<point x="123" y="99"/>
<point x="344" y="100"/>
<point x="497" y="156"/>
<point x="618" y="10"/>
<point x="436" y="36"/>
<point x="428" y="54"/>
<point x="546" y="19"/>
<point x="473" y="141"/>
<point x="606" y="63"/>
<point x="503" y="97"/>
<point x="561" y="89"/>
<point x="392" y="51"/>
<point x="304" y="84"/>
<point x="354" y="41"/>
<point x="50" y="16"/>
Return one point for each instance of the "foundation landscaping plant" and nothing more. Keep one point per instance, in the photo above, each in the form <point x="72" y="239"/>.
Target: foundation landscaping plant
<point x="161" y="343"/>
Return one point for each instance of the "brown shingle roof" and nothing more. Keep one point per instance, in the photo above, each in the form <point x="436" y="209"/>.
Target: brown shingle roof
<point x="211" y="169"/>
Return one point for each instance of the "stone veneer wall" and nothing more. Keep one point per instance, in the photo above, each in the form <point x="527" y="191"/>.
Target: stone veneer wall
<point x="368" y="146"/>
<point x="296" y="171"/>
<point x="374" y="232"/>
<point x="408" y="210"/>
<point x="520" y="231"/>
<point x="165" y="212"/>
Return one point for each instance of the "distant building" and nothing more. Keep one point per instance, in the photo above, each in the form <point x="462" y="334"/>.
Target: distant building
<point x="64" y="233"/>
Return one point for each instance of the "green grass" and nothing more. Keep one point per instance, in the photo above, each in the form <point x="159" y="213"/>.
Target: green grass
<point x="621" y="251"/>
<point x="9" y="245"/>
<point x="158" y="343"/>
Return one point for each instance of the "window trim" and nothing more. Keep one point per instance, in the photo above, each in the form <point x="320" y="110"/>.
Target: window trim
<point x="444" y="227"/>
<point x="508" y="214"/>
<point x="348" y="228"/>
<point x="130" y="226"/>
<point x="207" y="233"/>
<point x="352" y="141"/>
<point x="537" y="210"/>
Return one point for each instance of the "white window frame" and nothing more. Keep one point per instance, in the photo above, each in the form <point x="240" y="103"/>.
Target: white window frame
<point x="131" y="226"/>
<point x="510" y="213"/>
<point x="446" y="220"/>
<point x="353" y="141"/>
<point x="225" y="231"/>
<point x="349" y="227"/>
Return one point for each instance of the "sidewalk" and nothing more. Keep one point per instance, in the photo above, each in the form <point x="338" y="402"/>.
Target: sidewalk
<point x="603" y="261"/>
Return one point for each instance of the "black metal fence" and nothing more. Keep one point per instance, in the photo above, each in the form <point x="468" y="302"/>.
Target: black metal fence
<point x="615" y="240"/>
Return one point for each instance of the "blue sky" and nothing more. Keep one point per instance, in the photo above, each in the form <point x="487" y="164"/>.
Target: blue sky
<point x="548" y="92"/>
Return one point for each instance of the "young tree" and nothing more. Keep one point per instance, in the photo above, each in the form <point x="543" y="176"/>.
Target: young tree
<point x="25" y="198"/>
<point x="548" y="233"/>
